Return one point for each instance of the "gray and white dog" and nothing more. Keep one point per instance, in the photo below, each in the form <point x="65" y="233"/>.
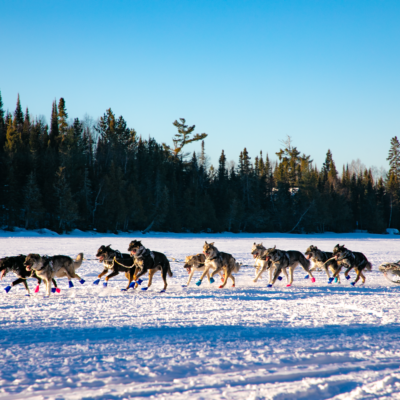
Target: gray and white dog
<point x="197" y="263"/>
<point x="218" y="261"/>
<point x="258" y="251"/>
<point x="287" y="259"/>
<point x="322" y="260"/>
<point x="47" y="268"/>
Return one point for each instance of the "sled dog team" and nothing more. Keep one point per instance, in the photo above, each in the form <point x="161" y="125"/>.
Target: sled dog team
<point x="210" y="262"/>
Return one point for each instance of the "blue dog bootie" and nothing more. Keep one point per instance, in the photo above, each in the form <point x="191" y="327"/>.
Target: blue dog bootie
<point x="198" y="283"/>
<point x="82" y="281"/>
<point x="212" y="280"/>
<point x="70" y="284"/>
<point x="307" y="276"/>
<point x="280" y="278"/>
<point x="105" y="284"/>
<point x="96" y="282"/>
<point x="139" y="281"/>
<point x="330" y="280"/>
<point x="7" y="289"/>
<point x="269" y="285"/>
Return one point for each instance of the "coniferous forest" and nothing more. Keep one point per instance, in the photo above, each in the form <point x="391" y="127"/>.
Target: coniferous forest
<point x="105" y="176"/>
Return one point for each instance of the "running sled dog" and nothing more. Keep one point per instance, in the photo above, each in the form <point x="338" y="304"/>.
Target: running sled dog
<point x="47" y="268"/>
<point x="115" y="262"/>
<point x="218" y="261"/>
<point x="258" y="251"/>
<point x="149" y="261"/>
<point x="16" y="265"/>
<point x="287" y="259"/>
<point x="322" y="260"/>
<point x="351" y="259"/>
<point x="197" y="263"/>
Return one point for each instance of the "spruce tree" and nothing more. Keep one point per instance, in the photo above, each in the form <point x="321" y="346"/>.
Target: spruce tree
<point x="54" y="132"/>
<point x="32" y="204"/>
<point x="18" y="114"/>
<point x="62" y="117"/>
<point x="2" y="125"/>
<point x="394" y="158"/>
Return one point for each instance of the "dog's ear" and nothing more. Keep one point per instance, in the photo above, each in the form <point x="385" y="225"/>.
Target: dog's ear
<point x="254" y="243"/>
<point x="206" y="242"/>
<point x="107" y="247"/>
<point x="274" y="247"/>
<point x="212" y="243"/>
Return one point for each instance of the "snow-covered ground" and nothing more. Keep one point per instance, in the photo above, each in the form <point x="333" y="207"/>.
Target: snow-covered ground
<point x="309" y="341"/>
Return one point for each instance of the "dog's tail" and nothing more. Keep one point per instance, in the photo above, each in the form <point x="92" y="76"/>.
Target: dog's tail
<point x="78" y="260"/>
<point x="169" y="269"/>
<point x="237" y="266"/>
<point x="368" y="266"/>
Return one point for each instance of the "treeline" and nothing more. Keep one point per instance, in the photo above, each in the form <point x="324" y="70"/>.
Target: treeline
<point x="107" y="177"/>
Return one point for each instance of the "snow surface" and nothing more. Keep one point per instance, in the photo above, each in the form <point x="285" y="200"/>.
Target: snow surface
<point x="309" y="341"/>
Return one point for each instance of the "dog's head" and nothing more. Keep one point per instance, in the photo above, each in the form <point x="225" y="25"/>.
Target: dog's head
<point x="338" y="251"/>
<point x="272" y="254"/>
<point x="257" y="250"/>
<point x="194" y="261"/>
<point x="209" y="250"/>
<point x="311" y="252"/>
<point x="32" y="261"/>
<point x="135" y="247"/>
<point x="103" y="253"/>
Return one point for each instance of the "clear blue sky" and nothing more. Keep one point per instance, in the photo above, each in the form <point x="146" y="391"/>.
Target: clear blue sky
<point x="248" y="73"/>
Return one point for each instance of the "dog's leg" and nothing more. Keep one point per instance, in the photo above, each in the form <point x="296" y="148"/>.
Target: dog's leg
<point x="278" y="270"/>
<point x="291" y="270"/>
<point x="271" y="270"/>
<point x="284" y="270"/>
<point x="191" y="276"/>
<point x="346" y="273"/>
<point x="103" y="273"/>
<point x="151" y="273"/>
<point x="260" y="272"/>
<point x="362" y="277"/>
<point x="48" y="286"/>
<point x="206" y="269"/>
<point x="358" y="272"/>
<point x="114" y="273"/>
<point x="233" y="279"/>
<point x="164" y="272"/>
<point x="225" y="277"/>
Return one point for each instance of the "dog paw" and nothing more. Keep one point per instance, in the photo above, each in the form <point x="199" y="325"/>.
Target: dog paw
<point x="312" y="280"/>
<point x="198" y="283"/>
<point x="58" y="290"/>
<point x="352" y="283"/>
<point x="233" y="285"/>
<point x="7" y="289"/>
<point x="330" y="280"/>
<point x="184" y="285"/>
<point x="37" y="289"/>
<point x="53" y="290"/>
<point x="132" y="285"/>
<point x="269" y="285"/>
<point x="70" y="284"/>
<point x="139" y="281"/>
<point x="123" y="290"/>
<point x="220" y="287"/>
<point x="288" y="285"/>
<point x="347" y="277"/>
<point x="28" y="295"/>
<point x="212" y="280"/>
<point x="105" y="284"/>
<point x="280" y="278"/>
<point x="337" y="280"/>
<point x="162" y="291"/>
<point x="144" y="288"/>
<point x="96" y="282"/>
<point x="307" y="276"/>
<point x="82" y="281"/>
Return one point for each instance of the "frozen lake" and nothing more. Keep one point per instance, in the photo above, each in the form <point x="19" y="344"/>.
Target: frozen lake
<point x="309" y="341"/>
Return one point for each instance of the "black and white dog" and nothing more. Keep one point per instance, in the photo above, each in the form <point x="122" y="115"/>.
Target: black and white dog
<point x="16" y="265"/>
<point x="115" y="262"/>
<point x="287" y="259"/>
<point x="149" y="261"/>
<point x="351" y="259"/>
<point x="322" y="260"/>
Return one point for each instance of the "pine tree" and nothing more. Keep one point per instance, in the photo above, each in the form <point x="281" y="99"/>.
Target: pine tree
<point x="182" y="138"/>
<point x="394" y="158"/>
<point x="66" y="209"/>
<point x="32" y="204"/>
<point x="18" y="114"/>
<point x="62" y="117"/>
<point x="2" y="125"/>
<point x="54" y="132"/>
